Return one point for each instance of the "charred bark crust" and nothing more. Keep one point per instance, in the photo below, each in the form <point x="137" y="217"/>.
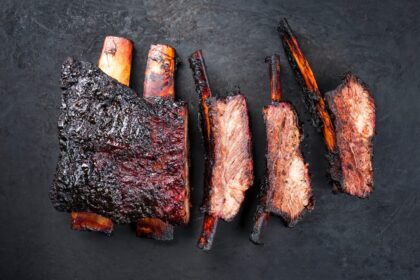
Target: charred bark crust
<point x="202" y="88"/>
<point x="309" y="97"/>
<point x="120" y="156"/>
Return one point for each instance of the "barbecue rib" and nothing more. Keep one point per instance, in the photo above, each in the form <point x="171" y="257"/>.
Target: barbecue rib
<point x="159" y="82"/>
<point x="354" y="117"/>
<point x="351" y="159"/>
<point x="229" y="165"/>
<point x="287" y="189"/>
<point x="115" y="60"/>
<point x="121" y="156"/>
<point x="306" y="79"/>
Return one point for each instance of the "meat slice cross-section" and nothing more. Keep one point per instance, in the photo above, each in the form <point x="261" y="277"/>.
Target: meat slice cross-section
<point x="232" y="170"/>
<point x="227" y="141"/>
<point x="287" y="174"/>
<point x="287" y="187"/>
<point x="354" y="118"/>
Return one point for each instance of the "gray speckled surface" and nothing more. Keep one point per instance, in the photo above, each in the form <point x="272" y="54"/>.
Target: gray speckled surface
<point x="343" y="238"/>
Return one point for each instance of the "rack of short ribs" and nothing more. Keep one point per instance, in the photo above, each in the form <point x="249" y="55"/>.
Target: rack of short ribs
<point x="229" y="164"/>
<point x="123" y="158"/>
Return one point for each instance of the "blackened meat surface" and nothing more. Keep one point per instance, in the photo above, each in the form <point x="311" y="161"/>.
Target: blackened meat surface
<point x="120" y="156"/>
<point x="202" y="87"/>
<point x="288" y="185"/>
<point x="353" y="108"/>
<point x="231" y="157"/>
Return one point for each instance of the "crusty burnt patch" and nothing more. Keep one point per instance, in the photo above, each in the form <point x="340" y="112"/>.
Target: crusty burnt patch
<point x="126" y="154"/>
<point x="353" y="108"/>
<point x="202" y="87"/>
<point x="115" y="60"/>
<point x="159" y="82"/>
<point x="304" y="75"/>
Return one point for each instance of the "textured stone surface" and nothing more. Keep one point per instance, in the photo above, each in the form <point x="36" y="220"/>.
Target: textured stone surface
<point x="343" y="238"/>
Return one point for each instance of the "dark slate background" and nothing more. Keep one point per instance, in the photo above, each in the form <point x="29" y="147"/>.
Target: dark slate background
<point x="343" y="238"/>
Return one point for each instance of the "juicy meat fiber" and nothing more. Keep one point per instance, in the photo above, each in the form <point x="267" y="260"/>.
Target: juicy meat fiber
<point x="121" y="156"/>
<point x="354" y="112"/>
<point x="289" y="188"/>
<point x="232" y="166"/>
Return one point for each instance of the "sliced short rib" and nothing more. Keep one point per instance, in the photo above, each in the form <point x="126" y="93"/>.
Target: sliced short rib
<point x="231" y="156"/>
<point x="354" y="117"/>
<point x="121" y="156"/>
<point x="288" y="185"/>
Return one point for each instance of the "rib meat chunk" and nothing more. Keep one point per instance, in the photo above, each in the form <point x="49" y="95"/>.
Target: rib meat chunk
<point x="227" y="138"/>
<point x="354" y="117"/>
<point x="121" y="156"/>
<point x="232" y="165"/>
<point x="289" y="188"/>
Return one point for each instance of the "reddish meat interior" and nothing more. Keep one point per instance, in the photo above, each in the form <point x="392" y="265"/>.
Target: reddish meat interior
<point x="232" y="170"/>
<point x="354" y="111"/>
<point x="289" y="187"/>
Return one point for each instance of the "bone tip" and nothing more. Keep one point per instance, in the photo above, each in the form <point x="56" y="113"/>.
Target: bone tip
<point x="165" y="49"/>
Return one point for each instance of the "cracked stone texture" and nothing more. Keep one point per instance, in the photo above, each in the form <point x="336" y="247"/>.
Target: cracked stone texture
<point x="343" y="238"/>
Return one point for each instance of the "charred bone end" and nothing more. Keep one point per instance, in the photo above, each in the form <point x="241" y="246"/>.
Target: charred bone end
<point x="91" y="222"/>
<point x="155" y="229"/>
